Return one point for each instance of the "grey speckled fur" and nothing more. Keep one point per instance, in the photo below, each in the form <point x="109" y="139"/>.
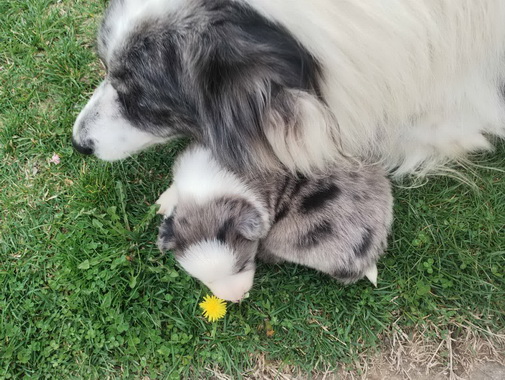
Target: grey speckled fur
<point x="336" y="222"/>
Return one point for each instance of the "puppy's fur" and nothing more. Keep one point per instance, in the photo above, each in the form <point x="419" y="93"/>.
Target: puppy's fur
<point x="218" y="221"/>
<point x="292" y="83"/>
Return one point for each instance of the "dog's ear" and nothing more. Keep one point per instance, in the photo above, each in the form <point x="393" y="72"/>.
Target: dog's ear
<point x="250" y="223"/>
<point x="166" y="234"/>
<point x="245" y="75"/>
<point x="235" y="100"/>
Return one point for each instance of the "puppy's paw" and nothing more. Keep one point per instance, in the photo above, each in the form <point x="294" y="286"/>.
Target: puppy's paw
<point x="167" y="201"/>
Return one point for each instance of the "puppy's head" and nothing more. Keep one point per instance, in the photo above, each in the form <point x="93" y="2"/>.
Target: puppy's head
<point x="215" y="242"/>
<point x="218" y="72"/>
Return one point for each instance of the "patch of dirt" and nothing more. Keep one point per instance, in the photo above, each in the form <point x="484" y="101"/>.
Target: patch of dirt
<point x="421" y="354"/>
<point x="432" y="354"/>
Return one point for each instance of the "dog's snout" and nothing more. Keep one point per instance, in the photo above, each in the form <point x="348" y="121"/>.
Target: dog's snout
<point x="84" y="149"/>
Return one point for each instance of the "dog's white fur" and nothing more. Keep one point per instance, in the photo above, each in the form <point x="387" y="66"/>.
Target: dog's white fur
<point x="117" y="138"/>
<point x="413" y="84"/>
<point x="128" y="13"/>
<point x="200" y="179"/>
<point x="213" y="263"/>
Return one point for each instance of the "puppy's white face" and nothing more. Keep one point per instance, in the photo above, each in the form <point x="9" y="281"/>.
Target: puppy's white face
<point x="101" y="128"/>
<point x="215" y="264"/>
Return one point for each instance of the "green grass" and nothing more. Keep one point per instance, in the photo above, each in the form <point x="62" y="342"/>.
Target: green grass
<point x="85" y="293"/>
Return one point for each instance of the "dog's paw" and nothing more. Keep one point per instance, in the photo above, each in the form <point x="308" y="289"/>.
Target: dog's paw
<point x="167" y="201"/>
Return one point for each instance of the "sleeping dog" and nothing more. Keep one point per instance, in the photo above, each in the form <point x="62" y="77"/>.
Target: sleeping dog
<point x="300" y="84"/>
<point x="218" y="222"/>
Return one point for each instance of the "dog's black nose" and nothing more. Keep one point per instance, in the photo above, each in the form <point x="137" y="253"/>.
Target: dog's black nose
<point x="84" y="149"/>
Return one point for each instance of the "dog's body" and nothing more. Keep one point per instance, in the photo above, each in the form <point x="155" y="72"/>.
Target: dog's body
<point x="217" y="221"/>
<point x="409" y="84"/>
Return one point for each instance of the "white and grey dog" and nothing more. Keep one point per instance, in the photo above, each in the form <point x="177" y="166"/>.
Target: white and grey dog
<point x="410" y="84"/>
<point x="218" y="222"/>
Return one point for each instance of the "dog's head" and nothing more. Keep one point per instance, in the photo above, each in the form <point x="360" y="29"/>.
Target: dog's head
<point x="218" y="72"/>
<point x="215" y="242"/>
<point x="142" y="100"/>
<point x="213" y="223"/>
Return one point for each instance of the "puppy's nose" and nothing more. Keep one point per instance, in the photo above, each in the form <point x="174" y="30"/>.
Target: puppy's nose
<point x="84" y="149"/>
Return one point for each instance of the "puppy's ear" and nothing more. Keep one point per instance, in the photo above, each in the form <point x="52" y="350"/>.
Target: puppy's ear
<point x="166" y="234"/>
<point x="250" y="224"/>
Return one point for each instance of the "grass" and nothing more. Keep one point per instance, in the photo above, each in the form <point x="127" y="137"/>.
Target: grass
<point x="84" y="292"/>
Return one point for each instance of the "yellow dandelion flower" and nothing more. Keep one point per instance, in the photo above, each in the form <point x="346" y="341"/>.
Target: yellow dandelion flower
<point x="213" y="308"/>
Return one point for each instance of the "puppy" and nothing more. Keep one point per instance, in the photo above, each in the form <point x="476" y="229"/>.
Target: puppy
<point x="268" y="84"/>
<point x="217" y="222"/>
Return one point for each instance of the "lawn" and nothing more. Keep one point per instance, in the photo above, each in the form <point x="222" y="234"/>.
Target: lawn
<point x="84" y="292"/>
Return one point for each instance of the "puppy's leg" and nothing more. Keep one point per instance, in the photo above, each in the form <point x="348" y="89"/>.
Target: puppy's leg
<point x="167" y="201"/>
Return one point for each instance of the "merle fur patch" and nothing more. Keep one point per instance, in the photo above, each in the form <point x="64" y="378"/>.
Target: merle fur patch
<point x="282" y="213"/>
<point x="289" y="190"/>
<point x="362" y="249"/>
<point x="316" y="236"/>
<point x="318" y="199"/>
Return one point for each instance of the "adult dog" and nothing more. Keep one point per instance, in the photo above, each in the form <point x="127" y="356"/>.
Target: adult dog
<point x="411" y="84"/>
